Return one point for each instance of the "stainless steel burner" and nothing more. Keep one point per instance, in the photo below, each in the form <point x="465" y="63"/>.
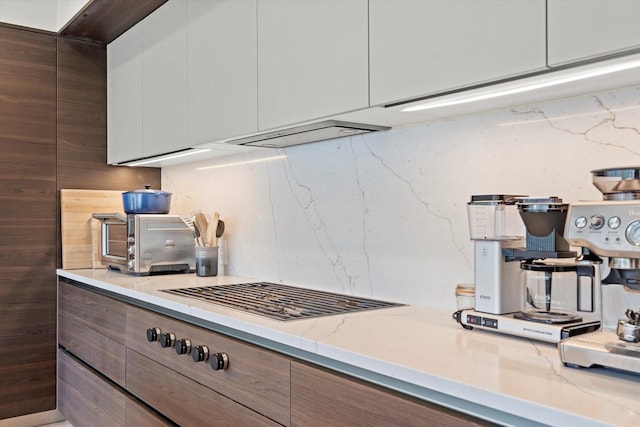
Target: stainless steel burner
<point x="280" y="302"/>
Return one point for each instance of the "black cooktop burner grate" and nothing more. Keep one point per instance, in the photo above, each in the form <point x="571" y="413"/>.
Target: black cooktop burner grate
<point x="280" y="302"/>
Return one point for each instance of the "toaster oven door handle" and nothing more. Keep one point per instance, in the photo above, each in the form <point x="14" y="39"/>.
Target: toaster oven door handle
<point x="106" y="216"/>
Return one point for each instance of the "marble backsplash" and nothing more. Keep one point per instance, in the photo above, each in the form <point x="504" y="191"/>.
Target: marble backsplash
<point x="384" y="214"/>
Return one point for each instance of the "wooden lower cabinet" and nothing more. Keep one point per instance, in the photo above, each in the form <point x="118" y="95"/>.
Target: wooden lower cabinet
<point x="91" y="326"/>
<point x="183" y="400"/>
<point x="86" y="399"/>
<point x="322" y="398"/>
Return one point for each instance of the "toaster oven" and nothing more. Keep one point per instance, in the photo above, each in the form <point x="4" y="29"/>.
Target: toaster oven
<point x="146" y="243"/>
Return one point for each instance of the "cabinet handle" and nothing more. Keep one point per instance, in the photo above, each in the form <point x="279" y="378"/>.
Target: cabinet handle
<point x="219" y="361"/>
<point x="152" y="334"/>
<point x="200" y="353"/>
<point x="183" y="346"/>
<point x="167" y="340"/>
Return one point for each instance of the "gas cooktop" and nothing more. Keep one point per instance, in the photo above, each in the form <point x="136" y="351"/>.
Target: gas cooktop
<point x="280" y="302"/>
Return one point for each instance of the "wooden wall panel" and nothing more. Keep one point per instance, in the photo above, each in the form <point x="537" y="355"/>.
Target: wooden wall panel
<point x="52" y="136"/>
<point x="27" y="221"/>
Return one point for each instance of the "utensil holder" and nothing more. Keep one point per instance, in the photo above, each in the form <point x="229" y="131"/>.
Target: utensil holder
<point x="206" y="261"/>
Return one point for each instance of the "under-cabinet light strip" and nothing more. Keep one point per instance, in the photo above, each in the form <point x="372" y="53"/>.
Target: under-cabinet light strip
<point x="168" y="157"/>
<point x="245" y="162"/>
<point x="534" y="83"/>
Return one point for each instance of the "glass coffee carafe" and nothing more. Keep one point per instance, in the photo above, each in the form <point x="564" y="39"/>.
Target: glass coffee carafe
<point x="557" y="291"/>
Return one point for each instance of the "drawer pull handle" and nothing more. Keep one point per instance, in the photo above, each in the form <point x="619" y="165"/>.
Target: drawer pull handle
<point x="167" y="340"/>
<point x="152" y="334"/>
<point x="200" y="353"/>
<point x="183" y="346"/>
<point x="219" y="361"/>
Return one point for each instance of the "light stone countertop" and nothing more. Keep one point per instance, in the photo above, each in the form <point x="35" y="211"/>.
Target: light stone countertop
<point x="418" y="350"/>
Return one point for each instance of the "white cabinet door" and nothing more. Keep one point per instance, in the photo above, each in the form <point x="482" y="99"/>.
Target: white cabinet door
<point x="312" y="59"/>
<point x="164" y="82"/>
<point x="584" y="29"/>
<point x="124" y="97"/>
<point x="424" y="47"/>
<point x="222" y="69"/>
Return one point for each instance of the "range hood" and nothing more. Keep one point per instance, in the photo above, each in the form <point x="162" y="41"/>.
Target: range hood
<point x="321" y="131"/>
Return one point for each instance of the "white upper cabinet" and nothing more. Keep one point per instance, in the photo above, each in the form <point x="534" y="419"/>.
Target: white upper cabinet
<point x="312" y="59"/>
<point x="124" y="96"/>
<point x="164" y="79"/>
<point x="424" y="47"/>
<point x="585" y="29"/>
<point x="221" y="69"/>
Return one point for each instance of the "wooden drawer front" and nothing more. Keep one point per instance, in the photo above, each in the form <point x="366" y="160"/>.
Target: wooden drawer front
<point x="139" y="415"/>
<point x="96" y="350"/>
<point x="102" y="314"/>
<point x="185" y="401"/>
<point x="84" y="398"/>
<point x="87" y="400"/>
<point x="255" y="377"/>
<point x="322" y="398"/>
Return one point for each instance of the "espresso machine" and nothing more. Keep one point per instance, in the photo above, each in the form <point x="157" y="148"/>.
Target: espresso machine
<point x="610" y="228"/>
<point x="529" y="283"/>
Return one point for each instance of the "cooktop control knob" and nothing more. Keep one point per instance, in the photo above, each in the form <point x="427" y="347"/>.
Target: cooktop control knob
<point x="183" y="346"/>
<point x="152" y="334"/>
<point x="219" y="361"/>
<point x="200" y="353"/>
<point x="167" y="340"/>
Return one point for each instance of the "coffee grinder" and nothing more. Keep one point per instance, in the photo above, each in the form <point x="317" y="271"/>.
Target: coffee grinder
<point x="531" y="286"/>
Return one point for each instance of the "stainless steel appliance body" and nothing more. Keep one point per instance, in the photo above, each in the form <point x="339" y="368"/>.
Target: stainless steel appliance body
<point x="609" y="228"/>
<point x="496" y="276"/>
<point x="146" y="243"/>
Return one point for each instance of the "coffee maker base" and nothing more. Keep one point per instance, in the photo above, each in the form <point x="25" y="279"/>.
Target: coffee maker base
<point x="508" y="324"/>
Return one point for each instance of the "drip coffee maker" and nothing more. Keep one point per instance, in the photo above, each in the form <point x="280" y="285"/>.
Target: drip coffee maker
<point x="610" y="228"/>
<point x="531" y="285"/>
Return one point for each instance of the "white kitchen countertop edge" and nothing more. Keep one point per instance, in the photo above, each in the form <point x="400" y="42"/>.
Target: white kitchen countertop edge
<point x="316" y="336"/>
